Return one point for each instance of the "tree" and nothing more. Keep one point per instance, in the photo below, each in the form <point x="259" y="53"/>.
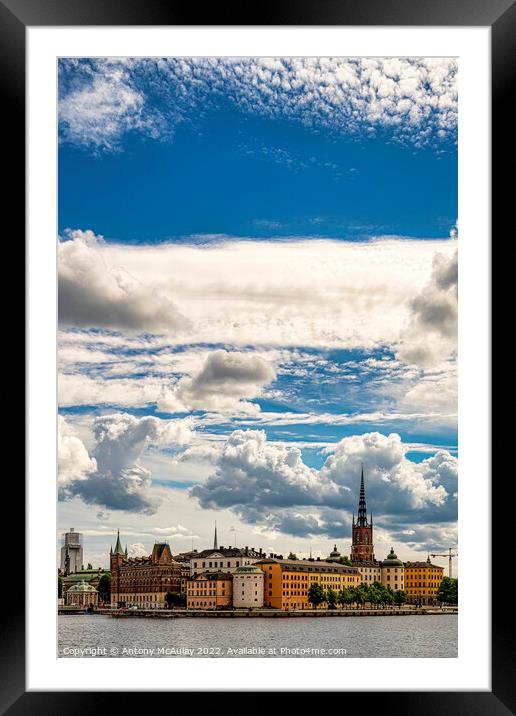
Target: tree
<point x="331" y="598"/>
<point x="345" y="560"/>
<point x="175" y="599"/>
<point x="292" y="555"/>
<point x="316" y="594"/>
<point x="104" y="588"/>
<point x="400" y="597"/>
<point x="59" y="587"/>
<point x="448" y="592"/>
<point x="89" y="566"/>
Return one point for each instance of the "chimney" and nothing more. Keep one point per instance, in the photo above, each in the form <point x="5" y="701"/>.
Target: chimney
<point x="246" y="550"/>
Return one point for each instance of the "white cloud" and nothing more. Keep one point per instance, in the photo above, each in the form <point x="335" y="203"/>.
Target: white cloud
<point x="137" y="549"/>
<point x="104" y="107"/>
<point x="73" y="460"/>
<point x="312" y="293"/>
<point x="96" y="292"/>
<point x="415" y="99"/>
<point x="120" y="481"/>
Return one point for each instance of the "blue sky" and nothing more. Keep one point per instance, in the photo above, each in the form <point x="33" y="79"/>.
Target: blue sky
<point x="257" y="294"/>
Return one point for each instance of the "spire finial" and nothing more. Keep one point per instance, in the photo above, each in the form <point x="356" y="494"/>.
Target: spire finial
<point x="215" y="541"/>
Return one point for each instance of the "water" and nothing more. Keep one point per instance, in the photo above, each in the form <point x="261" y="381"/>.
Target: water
<point x="400" y="636"/>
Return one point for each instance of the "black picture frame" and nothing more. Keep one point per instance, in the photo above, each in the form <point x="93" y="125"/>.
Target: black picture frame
<point x="500" y="16"/>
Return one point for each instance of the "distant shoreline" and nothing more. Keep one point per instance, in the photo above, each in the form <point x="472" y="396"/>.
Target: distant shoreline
<point x="266" y="613"/>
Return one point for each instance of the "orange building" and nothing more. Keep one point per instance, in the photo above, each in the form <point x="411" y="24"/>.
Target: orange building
<point x="209" y="590"/>
<point x="422" y="581"/>
<point x="287" y="581"/>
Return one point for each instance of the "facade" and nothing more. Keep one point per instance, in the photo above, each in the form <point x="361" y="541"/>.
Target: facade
<point x="209" y="590"/>
<point x="362" y="547"/>
<point x="82" y="594"/>
<point x="287" y="581"/>
<point x="143" y="581"/>
<point x="248" y="587"/>
<point x="223" y="559"/>
<point x="393" y="572"/>
<point x="90" y="576"/>
<point x="71" y="552"/>
<point x="422" y="581"/>
<point x="370" y="571"/>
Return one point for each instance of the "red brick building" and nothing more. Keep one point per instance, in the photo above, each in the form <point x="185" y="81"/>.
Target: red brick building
<point x="143" y="581"/>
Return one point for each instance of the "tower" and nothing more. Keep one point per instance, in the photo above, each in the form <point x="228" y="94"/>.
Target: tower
<point x="116" y="557"/>
<point x="362" y="548"/>
<point x="71" y="548"/>
<point x="215" y="541"/>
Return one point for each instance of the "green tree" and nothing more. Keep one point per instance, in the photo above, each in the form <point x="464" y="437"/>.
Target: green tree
<point x="400" y="597"/>
<point x="316" y="594"/>
<point x="331" y="598"/>
<point x="448" y="592"/>
<point x="59" y="586"/>
<point x="375" y="594"/>
<point x="345" y="560"/>
<point x="175" y="599"/>
<point x="104" y="587"/>
<point x="292" y="555"/>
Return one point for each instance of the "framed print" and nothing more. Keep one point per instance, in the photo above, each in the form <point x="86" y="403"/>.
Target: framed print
<point x="258" y="283"/>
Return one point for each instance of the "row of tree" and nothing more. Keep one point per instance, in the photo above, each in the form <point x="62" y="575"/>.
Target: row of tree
<point x="374" y="595"/>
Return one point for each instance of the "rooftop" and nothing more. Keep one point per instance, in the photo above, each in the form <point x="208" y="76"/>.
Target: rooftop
<point x="308" y="565"/>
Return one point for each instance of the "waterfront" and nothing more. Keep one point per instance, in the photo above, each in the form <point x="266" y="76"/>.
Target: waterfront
<point x="353" y="637"/>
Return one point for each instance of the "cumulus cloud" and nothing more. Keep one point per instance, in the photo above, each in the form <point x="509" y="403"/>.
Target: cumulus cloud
<point x="414" y="99"/>
<point x="253" y="472"/>
<point x="120" y="482"/>
<point x="96" y="292"/>
<point x="431" y="334"/>
<point x="73" y="461"/>
<point x="223" y="381"/>
<point x="270" y="485"/>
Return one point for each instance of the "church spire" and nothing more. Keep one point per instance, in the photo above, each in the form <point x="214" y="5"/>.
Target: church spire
<point x="215" y="542"/>
<point x="118" y="546"/>
<point x="362" y="512"/>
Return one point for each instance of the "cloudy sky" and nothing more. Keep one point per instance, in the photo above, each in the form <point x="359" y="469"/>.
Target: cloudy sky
<point x="257" y="295"/>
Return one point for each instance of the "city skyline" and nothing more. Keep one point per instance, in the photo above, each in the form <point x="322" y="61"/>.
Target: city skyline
<point x="257" y="295"/>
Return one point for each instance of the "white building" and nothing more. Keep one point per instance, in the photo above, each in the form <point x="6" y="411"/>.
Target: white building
<point x="223" y="559"/>
<point x="370" y="571"/>
<point x="248" y="587"/>
<point x="393" y="572"/>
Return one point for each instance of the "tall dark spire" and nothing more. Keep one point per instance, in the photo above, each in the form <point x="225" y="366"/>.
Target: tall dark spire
<point x="362" y="513"/>
<point x="215" y="542"/>
<point x="118" y="546"/>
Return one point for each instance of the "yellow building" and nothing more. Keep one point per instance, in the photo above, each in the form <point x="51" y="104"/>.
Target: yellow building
<point x="209" y="590"/>
<point x="422" y="581"/>
<point x="287" y="581"/>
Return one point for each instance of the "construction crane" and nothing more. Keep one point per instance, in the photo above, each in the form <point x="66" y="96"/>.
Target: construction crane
<point x="450" y="556"/>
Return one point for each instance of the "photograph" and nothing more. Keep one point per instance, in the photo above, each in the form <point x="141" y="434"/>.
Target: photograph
<point x="257" y="293"/>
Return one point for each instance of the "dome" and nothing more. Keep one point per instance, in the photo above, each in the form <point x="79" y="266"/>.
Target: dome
<point x="81" y="588"/>
<point x="392" y="560"/>
<point x="334" y="555"/>
<point x="248" y="569"/>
